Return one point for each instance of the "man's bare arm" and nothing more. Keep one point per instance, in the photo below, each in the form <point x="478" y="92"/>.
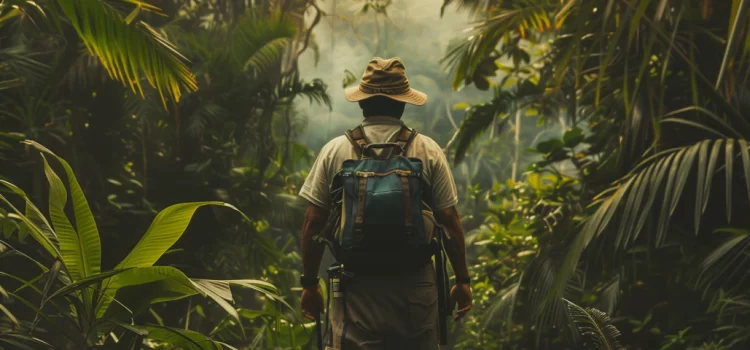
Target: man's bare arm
<point x="312" y="251"/>
<point x="455" y="247"/>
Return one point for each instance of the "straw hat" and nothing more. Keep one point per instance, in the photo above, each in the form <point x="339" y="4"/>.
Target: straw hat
<point x="385" y="77"/>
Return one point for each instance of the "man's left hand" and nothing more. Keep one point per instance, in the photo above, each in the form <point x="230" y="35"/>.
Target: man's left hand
<point x="312" y="303"/>
<point x="461" y="296"/>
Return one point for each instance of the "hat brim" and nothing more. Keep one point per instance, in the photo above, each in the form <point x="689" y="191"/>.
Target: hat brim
<point x="414" y="97"/>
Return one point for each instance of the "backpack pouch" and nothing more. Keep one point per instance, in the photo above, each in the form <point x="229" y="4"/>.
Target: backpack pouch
<point x="382" y="210"/>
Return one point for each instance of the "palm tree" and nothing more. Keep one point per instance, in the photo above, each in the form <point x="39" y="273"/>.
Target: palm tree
<point x="130" y="50"/>
<point x="661" y="86"/>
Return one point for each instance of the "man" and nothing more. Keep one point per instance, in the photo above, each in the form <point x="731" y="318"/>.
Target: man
<point x="387" y="310"/>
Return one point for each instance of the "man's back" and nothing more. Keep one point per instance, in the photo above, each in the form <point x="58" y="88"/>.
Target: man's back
<point x="378" y="129"/>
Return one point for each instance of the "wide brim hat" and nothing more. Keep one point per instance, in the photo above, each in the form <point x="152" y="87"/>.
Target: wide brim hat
<point x="385" y="77"/>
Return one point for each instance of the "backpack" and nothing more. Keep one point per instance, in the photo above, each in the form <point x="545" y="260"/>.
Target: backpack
<point x="381" y="219"/>
<point x="382" y="202"/>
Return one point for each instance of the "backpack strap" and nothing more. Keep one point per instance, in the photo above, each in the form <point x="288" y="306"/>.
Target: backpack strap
<point x="403" y="138"/>
<point x="358" y="139"/>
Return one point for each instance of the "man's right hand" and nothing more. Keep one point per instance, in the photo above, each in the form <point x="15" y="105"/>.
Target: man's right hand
<point x="312" y="303"/>
<point x="461" y="296"/>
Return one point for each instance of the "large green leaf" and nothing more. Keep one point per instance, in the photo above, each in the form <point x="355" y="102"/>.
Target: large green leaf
<point x="128" y="51"/>
<point x="165" y="230"/>
<point x="172" y="284"/>
<point x="143" y="275"/>
<point x="87" y="243"/>
<point x="181" y="339"/>
<point x="71" y="246"/>
<point x="220" y="291"/>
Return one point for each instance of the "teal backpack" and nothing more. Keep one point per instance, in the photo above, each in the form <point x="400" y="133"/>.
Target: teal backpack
<point x="385" y="220"/>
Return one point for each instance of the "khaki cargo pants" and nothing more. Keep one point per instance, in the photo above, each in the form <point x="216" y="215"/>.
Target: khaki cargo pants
<point x="385" y="313"/>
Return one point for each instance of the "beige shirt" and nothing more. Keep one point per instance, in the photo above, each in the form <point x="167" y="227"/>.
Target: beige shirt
<point x="436" y="170"/>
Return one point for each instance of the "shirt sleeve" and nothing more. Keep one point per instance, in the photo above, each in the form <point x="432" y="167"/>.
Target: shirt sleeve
<point x="315" y="189"/>
<point x="443" y="186"/>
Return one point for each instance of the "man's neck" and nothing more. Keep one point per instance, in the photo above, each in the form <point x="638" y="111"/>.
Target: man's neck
<point x="382" y="120"/>
<point x="381" y="116"/>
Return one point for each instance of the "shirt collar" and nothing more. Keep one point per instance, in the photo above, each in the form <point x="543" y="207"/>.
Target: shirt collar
<point x="382" y="120"/>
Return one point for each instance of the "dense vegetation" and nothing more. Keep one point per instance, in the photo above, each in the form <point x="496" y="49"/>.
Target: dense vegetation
<point x="150" y="156"/>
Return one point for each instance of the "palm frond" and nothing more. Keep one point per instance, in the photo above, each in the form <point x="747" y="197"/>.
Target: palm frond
<point x="525" y="94"/>
<point x="204" y="116"/>
<point x="610" y="295"/>
<point x="540" y="277"/>
<point x="465" y="56"/>
<point x="478" y="119"/>
<point x="260" y="41"/>
<point x="594" y="327"/>
<point x="17" y="66"/>
<point x="26" y="9"/>
<point x="720" y="267"/>
<point x="502" y="308"/>
<point x="271" y="53"/>
<point x="674" y="165"/>
<point x="732" y="316"/>
<point x="662" y="177"/>
<point x="316" y="91"/>
<point x="129" y="51"/>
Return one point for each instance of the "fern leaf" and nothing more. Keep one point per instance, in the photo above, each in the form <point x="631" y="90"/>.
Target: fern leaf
<point x="594" y="327"/>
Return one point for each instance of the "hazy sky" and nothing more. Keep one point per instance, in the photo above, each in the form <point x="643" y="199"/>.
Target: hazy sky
<point x="417" y="34"/>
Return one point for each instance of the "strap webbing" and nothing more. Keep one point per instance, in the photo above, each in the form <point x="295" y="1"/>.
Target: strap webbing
<point x="403" y="138"/>
<point x="406" y="137"/>
<point x="361" y="194"/>
<point x="406" y="194"/>
<point x="358" y="139"/>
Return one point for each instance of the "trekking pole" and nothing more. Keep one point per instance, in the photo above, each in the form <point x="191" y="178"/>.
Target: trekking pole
<point x="320" y="333"/>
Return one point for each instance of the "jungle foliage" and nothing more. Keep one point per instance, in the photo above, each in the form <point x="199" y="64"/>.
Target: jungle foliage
<point x="121" y="118"/>
<point x="154" y="112"/>
<point x="639" y="212"/>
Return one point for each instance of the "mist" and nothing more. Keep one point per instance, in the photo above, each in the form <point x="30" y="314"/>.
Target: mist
<point x="347" y="40"/>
